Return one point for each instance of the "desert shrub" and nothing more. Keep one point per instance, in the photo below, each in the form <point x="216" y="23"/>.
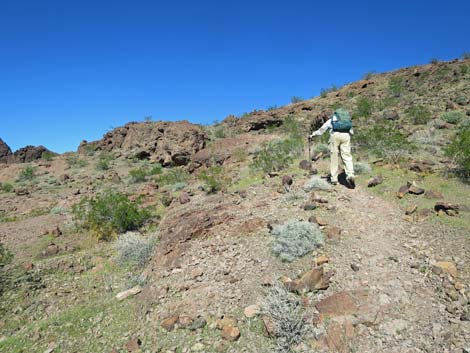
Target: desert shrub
<point x="284" y="310"/>
<point x="58" y="210"/>
<point x="324" y="91"/>
<point x="271" y="107"/>
<point x="453" y="117"/>
<point x="219" y="132"/>
<point x="362" y="168"/>
<point x="138" y="175"/>
<point x="395" y="86"/>
<point x="240" y="155"/>
<point x="7" y="187"/>
<point x="27" y="173"/>
<point x="296" y="99"/>
<point x="5" y="256"/>
<point x="368" y="75"/>
<point x="172" y="176"/>
<point x="178" y="186"/>
<point x="214" y="179"/>
<point x="459" y="150"/>
<point x="364" y="107"/>
<point x="434" y="61"/>
<point x="155" y="169"/>
<point x="316" y="183"/>
<point x="321" y="147"/>
<point x="418" y="114"/>
<point x="291" y="127"/>
<point x="104" y="161"/>
<point x="134" y="249"/>
<point x="74" y="161"/>
<point x="48" y="156"/>
<point x="465" y="56"/>
<point x="464" y="123"/>
<point x="110" y="213"/>
<point x="277" y="155"/>
<point x="464" y="69"/>
<point x="295" y="239"/>
<point x="385" y="141"/>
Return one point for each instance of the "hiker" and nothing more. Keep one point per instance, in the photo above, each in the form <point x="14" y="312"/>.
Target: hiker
<point x="340" y="127"/>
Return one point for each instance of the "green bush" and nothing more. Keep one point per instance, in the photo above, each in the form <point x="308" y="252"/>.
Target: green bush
<point x="27" y="173"/>
<point x="155" y="169"/>
<point x="364" y="107"/>
<point x="418" y="114"/>
<point x="368" y="75"/>
<point x="48" y="156"/>
<point x="110" y="213"/>
<point x="295" y="239"/>
<point x="134" y="249"/>
<point x="178" y="186"/>
<point x="219" y="132"/>
<point x="459" y="150"/>
<point x="324" y="91"/>
<point x="321" y="147"/>
<point x="74" y="161"/>
<point x="277" y="155"/>
<point x="104" y="161"/>
<point x="138" y="175"/>
<point x="362" y="168"/>
<point x="291" y="127"/>
<point x="172" y="176"/>
<point x="5" y="256"/>
<point x="213" y="179"/>
<point x="296" y="99"/>
<point x="384" y="140"/>
<point x="453" y="117"/>
<point x="7" y="187"/>
<point x="395" y="86"/>
<point x="464" y="69"/>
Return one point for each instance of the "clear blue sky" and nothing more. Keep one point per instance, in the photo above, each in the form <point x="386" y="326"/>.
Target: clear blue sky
<point x="71" y="70"/>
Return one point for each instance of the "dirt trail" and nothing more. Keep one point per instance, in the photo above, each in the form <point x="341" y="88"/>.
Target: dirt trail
<point x="403" y="307"/>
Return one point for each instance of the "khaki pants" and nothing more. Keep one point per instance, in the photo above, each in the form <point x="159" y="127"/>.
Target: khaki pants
<point x="340" y="146"/>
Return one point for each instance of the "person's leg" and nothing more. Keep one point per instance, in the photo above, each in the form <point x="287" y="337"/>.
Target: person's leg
<point x="334" y="149"/>
<point x="345" y="148"/>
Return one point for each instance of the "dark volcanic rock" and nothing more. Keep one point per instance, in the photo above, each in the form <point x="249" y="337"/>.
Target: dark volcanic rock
<point x="26" y="154"/>
<point x="5" y="150"/>
<point x="168" y="143"/>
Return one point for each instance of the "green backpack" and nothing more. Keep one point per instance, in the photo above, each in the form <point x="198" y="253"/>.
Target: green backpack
<point x="344" y="123"/>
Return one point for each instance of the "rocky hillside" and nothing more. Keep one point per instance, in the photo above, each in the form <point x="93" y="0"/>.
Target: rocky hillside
<point x="174" y="237"/>
<point x="23" y="155"/>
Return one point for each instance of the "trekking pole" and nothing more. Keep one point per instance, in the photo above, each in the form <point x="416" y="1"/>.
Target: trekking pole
<point x="309" y="143"/>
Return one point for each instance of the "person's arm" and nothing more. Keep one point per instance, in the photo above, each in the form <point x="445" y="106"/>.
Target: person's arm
<point x="327" y="125"/>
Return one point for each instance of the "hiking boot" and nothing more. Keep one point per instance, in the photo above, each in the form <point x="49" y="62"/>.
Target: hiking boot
<point x="351" y="181"/>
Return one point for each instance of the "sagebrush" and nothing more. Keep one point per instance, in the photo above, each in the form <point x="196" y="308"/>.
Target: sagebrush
<point x="459" y="150"/>
<point x="284" y="311"/>
<point x="295" y="239"/>
<point x="134" y="249"/>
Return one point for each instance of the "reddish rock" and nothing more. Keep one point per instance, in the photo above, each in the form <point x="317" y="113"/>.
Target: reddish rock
<point x="287" y="180"/>
<point x="269" y="326"/>
<point x="184" y="198"/>
<point x="415" y="189"/>
<point x="251" y="311"/>
<point x="342" y="303"/>
<point x="56" y="232"/>
<point x="314" y="279"/>
<point x="411" y="209"/>
<point x="170" y="323"/>
<point x="28" y="266"/>
<point x="321" y="260"/>
<point x="51" y="250"/>
<point x="423" y="214"/>
<point x="133" y="345"/>
<point x="230" y="333"/>
<point x="168" y="143"/>
<point x="333" y="232"/>
<point x="445" y="267"/>
<point x="403" y="190"/>
<point x="430" y="194"/>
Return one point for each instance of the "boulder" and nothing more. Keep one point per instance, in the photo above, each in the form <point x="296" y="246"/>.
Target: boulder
<point x="391" y="114"/>
<point x="403" y="190"/>
<point x="445" y="267"/>
<point x="169" y="323"/>
<point x="415" y="189"/>
<point x="133" y="345"/>
<point x="375" y="181"/>
<point x="305" y="165"/>
<point x="184" y="198"/>
<point x="230" y="333"/>
<point x="26" y="154"/>
<point x="251" y="311"/>
<point x="333" y="233"/>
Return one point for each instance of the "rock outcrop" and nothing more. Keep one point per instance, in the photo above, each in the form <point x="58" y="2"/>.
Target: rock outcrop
<point x="168" y="143"/>
<point x="23" y="155"/>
